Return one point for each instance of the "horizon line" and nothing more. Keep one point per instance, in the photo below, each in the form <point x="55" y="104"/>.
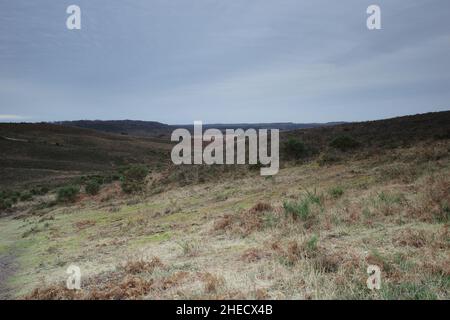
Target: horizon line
<point x="21" y="121"/>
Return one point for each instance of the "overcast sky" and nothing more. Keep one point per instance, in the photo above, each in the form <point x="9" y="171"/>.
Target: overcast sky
<point x="177" y="61"/>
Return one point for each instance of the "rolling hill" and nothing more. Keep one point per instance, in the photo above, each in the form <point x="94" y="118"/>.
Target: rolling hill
<point x="41" y="153"/>
<point x="34" y="153"/>
<point x="161" y="130"/>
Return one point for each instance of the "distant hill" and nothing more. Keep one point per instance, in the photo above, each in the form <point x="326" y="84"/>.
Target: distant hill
<point x="42" y="152"/>
<point x="124" y="127"/>
<point x="49" y="152"/>
<point x="282" y="126"/>
<point x="387" y="133"/>
<point x="157" y="129"/>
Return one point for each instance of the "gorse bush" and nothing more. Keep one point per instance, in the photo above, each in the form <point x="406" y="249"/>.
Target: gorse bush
<point x="133" y="178"/>
<point x="8" y="198"/>
<point x="92" y="187"/>
<point x="67" y="194"/>
<point x="14" y="196"/>
<point x="295" y="149"/>
<point x="344" y="143"/>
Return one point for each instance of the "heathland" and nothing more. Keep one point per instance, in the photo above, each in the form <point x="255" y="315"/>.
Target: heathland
<point x="347" y="196"/>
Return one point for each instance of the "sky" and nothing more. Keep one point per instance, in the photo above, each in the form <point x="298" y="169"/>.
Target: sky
<point x="223" y="61"/>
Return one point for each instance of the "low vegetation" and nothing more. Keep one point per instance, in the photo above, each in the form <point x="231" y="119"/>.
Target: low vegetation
<point x="93" y="187"/>
<point x="295" y="149"/>
<point x="219" y="232"/>
<point x="67" y="194"/>
<point x="132" y="180"/>
<point x="344" y="143"/>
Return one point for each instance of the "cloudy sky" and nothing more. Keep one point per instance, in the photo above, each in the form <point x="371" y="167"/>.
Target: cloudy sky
<point x="176" y="61"/>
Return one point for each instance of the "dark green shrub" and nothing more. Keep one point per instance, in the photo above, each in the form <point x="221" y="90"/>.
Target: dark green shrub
<point x="8" y="198"/>
<point x="92" y="187"/>
<point x="14" y="196"/>
<point x="133" y="178"/>
<point x="39" y="191"/>
<point x="26" y="196"/>
<point x="67" y="194"/>
<point x="44" y="190"/>
<point x="295" y="149"/>
<point x="344" y="143"/>
<point x="5" y="204"/>
<point x="98" y="179"/>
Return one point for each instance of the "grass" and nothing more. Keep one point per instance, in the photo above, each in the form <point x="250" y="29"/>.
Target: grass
<point x="336" y="192"/>
<point x="297" y="209"/>
<point x="311" y="244"/>
<point x="414" y="291"/>
<point x="303" y="209"/>
<point x="317" y="273"/>
<point x="189" y="248"/>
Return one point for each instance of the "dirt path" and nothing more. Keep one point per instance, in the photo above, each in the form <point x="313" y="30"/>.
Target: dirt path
<point x="7" y="269"/>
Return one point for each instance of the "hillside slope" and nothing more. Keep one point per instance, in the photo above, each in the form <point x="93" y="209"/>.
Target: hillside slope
<point x="36" y="152"/>
<point x="389" y="133"/>
<point x="40" y="152"/>
<point x="124" y="127"/>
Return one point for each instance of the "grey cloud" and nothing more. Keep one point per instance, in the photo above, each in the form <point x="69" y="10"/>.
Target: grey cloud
<point x="223" y="61"/>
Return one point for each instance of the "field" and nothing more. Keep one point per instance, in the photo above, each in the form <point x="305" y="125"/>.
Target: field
<point x="381" y="197"/>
